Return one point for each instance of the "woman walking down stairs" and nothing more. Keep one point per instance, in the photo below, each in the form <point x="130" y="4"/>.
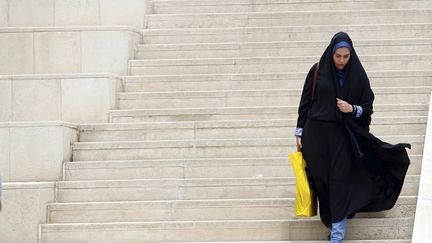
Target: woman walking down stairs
<point x="197" y="150"/>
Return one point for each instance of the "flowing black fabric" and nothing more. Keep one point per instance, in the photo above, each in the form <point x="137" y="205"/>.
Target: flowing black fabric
<point x="352" y="170"/>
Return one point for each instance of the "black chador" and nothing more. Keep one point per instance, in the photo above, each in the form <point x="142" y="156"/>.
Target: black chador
<point x="352" y="171"/>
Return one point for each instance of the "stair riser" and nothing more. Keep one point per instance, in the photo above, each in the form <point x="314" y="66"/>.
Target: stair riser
<point x="183" y="153"/>
<point x="229" y="132"/>
<point x="268" y="66"/>
<point x="165" y="192"/>
<point x="234" y="151"/>
<point x="261" y="51"/>
<point x="232" y="231"/>
<point x="251" y="101"/>
<point x="192" y="192"/>
<point x="178" y="172"/>
<point x="398" y="211"/>
<point x="182" y="7"/>
<point x="282" y="34"/>
<point x="167" y="212"/>
<point x="189" y="171"/>
<point x="183" y="211"/>
<point x="237" y="101"/>
<point x="163" y="117"/>
<point x="146" y="85"/>
<point x="287" y="19"/>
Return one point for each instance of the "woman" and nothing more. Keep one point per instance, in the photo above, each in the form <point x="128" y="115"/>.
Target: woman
<point x="351" y="170"/>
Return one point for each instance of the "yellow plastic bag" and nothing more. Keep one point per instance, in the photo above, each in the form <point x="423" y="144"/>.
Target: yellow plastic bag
<point x="306" y="202"/>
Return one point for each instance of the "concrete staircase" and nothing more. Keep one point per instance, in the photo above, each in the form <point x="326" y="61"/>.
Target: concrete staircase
<point x="197" y="151"/>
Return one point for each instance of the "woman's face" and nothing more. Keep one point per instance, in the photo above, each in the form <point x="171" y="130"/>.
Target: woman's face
<point x="341" y="57"/>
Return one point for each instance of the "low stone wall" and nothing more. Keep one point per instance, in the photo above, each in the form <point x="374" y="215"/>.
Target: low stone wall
<point x="50" y="50"/>
<point x="24" y="208"/>
<point x="76" y="98"/>
<point x="15" y="13"/>
<point x="35" y="151"/>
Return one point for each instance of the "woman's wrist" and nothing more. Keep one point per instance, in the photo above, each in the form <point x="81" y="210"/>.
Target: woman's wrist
<point x="298" y="132"/>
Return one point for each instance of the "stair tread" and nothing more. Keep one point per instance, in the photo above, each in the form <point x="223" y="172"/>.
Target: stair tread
<point x="298" y="43"/>
<point x="273" y="13"/>
<point x="406" y="200"/>
<point x="271" y="92"/>
<point x="191" y="181"/>
<point x="231" y="123"/>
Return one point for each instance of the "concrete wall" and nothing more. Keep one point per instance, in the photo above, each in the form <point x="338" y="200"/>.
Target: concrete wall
<point x="40" y="39"/>
<point x="77" y="98"/>
<point x="66" y="50"/>
<point x="35" y="151"/>
<point x="24" y="208"/>
<point x="422" y="229"/>
<point x="16" y="13"/>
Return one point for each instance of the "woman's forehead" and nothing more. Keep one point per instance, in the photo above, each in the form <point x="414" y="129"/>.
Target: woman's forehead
<point x="342" y="51"/>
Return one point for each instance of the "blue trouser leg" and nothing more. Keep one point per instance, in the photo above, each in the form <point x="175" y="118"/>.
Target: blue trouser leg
<point x="338" y="231"/>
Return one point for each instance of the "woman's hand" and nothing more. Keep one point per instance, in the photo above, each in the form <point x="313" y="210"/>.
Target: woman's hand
<point x="299" y="144"/>
<point x="344" y="106"/>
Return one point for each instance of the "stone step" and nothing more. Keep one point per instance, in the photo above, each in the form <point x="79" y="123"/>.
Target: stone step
<point x="270" y="64"/>
<point x="294" y="80"/>
<point x="228" y="6"/>
<point x="284" y="33"/>
<point x="183" y="168"/>
<point x="205" y="148"/>
<point x="183" y="189"/>
<point x="281" y="48"/>
<point x="189" y="168"/>
<point x="229" y="230"/>
<point x="236" y="98"/>
<point x="246" y="113"/>
<point x="195" y="210"/>
<point x="405" y="125"/>
<point x="291" y="18"/>
<point x="189" y="189"/>
<point x="316" y="241"/>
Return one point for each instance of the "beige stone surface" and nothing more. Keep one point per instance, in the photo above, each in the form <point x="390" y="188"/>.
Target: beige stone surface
<point x="76" y="12"/>
<point x="36" y="151"/>
<point x="5" y="154"/>
<point x="31" y="12"/>
<point x="259" y="19"/>
<point x="16" y="53"/>
<point x="200" y="6"/>
<point x="88" y="99"/>
<point x="115" y="48"/>
<point x="24" y="208"/>
<point x="225" y="231"/>
<point x="5" y="99"/>
<point x="283" y="33"/>
<point x="4" y="12"/>
<point x="57" y="52"/>
<point x="36" y="100"/>
<point x="126" y="12"/>
<point x="66" y="49"/>
<point x="20" y="13"/>
<point x="73" y="98"/>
